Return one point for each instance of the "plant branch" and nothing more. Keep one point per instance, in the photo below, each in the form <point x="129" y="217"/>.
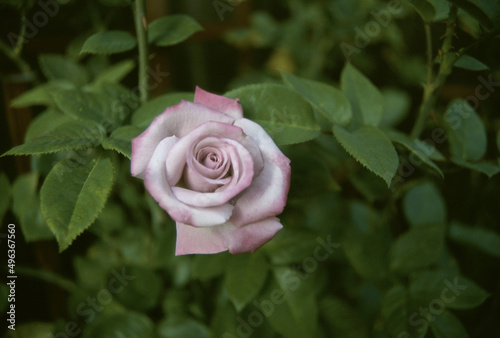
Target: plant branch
<point x="142" y="42"/>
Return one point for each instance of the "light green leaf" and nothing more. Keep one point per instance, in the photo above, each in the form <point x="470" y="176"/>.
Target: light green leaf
<point x="120" y="139"/>
<point x="116" y="72"/>
<point x="151" y="109"/>
<point x="109" y="42"/>
<point x="44" y="123"/>
<point x="73" y="195"/>
<point x="479" y="238"/>
<point x="372" y="148"/>
<point x="424" y="205"/>
<point x="417" y="248"/>
<point x="242" y="290"/>
<point x="41" y="94"/>
<point x="419" y="148"/>
<point x="329" y="101"/>
<point x="366" y="101"/>
<point x="26" y="207"/>
<point x="487" y="168"/>
<point x="172" y="29"/>
<point x="70" y="135"/>
<point x="282" y="112"/>
<point x="424" y="8"/>
<point x="59" y="67"/>
<point x="5" y="188"/>
<point x="466" y="131"/>
<point x="470" y="63"/>
<point x="446" y="325"/>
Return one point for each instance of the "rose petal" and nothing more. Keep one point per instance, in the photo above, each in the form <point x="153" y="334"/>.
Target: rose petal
<point x="177" y="120"/>
<point x="193" y="240"/>
<point x="223" y="104"/>
<point x="157" y="185"/>
<point x="267" y="194"/>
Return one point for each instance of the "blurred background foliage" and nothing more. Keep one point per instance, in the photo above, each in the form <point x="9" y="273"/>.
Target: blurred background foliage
<point x="355" y="258"/>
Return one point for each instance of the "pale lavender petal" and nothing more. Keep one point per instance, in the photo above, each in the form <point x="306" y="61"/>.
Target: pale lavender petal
<point x="223" y="104"/>
<point x="177" y="120"/>
<point x="267" y="194"/>
<point x="193" y="240"/>
<point x="157" y="185"/>
<point x="252" y="236"/>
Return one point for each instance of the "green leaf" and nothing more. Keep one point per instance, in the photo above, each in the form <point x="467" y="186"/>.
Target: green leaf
<point x="126" y="324"/>
<point x="282" y="112"/>
<point x="394" y="310"/>
<point x="424" y="205"/>
<point x="205" y="267"/>
<point x="424" y="8"/>
<point x="475" y="11"/>
<point x="71" y="135"/>
<point x="109" y="42"/>
<point x="419" y="148"/>
<point x="397" y="105"/>
<point x="242" y="290"/>
<point x="466" y="131"/>
<point x="41" y="94"/>
<point x="5" y="188"/>
<point x="487" y="168"/>
<point x="342" y="319"/>
<point x="33" y="329"/>
<point x="151" y="109"/>
<point x="59" y="67"/>
<point x="143" y="293"/>
<point x="417" y="248"/>
<point x="120" y="140"/>
<point x="481" y="239"/>
<point x="372" y="148"/>
<point x="366" y="101"/>
<point x="44" y="123"/>
<point x="182" y="328"/>
<point x="116" y="72"/>
<point x="470" y="63"/>
<point x="73" y="195"/>
<point x="26" y="207"/>
<point x="446" y="325"/>
<point x="171" y="30"/>
<point x="329" y="101"/>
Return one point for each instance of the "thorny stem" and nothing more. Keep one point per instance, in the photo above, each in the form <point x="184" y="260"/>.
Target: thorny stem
<point x="142" y="42"/>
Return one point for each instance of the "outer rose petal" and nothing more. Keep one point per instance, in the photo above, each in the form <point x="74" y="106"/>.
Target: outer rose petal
<point x="267" y="194"/>
<point x="156" y="183"/>
<point x="174" y="121"/>
<point x="193" y="240"/>
<point x="220" y="103"/>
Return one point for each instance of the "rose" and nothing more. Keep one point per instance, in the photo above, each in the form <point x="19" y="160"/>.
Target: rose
<point x="218" y="175"/>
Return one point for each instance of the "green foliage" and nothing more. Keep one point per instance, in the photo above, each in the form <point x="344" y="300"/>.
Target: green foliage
<point x="171" y="30"/>
<point x="109" y="42"/>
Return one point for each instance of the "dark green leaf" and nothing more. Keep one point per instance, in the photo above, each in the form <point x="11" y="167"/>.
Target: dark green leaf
<point x="71" y="135"/>
<point x="59" y="67"/>
<point x="418" y="148"/>
<point x="466" y="131"/>
<point x="206" y="267"/>
<point x="73" y="195"/>
<point x="487" y="168"/>
<point x="424" y="8"/>
<point x="172" y="29"/>
<point x="328" y="100"/>
<point x="370" y="147"/>
<point x="143" y="291"/>
<point x="474" y="11"/>
<point x="366" y="101"/>
<point x="342" y="319"/>
<point x="397" y="105"/>
<point x="424" y="205"/>
<point x="41" y="94"/>
<point x="120" y="140"/>
<point x="394" y="310"/>
<point x="282" y="112"/>
<point x="254" y="268"/>
<point x="116" y="72"/>
<point x="109" y="42"/>
<point x="5" y="196"/>
<point x="482" y="239"/>
<point x="446" y="325"/>
<point x="417" y="248"/>
<point x="44" y="123"/>
<point x="126" y="324"/>
<point x="26" y="207"/>
<point x="147" y="112"/>
<point x="182" y="328"/>
<point x="470" y="63"/>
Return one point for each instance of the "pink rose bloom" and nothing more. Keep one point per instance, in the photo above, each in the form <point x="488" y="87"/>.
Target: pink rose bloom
<point x="218" y="175"/>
